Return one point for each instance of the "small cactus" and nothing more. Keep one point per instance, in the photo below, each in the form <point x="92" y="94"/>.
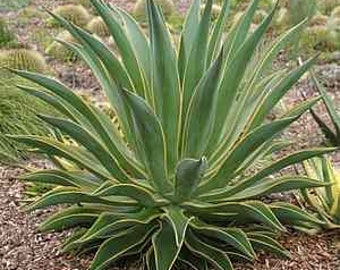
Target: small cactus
<point x="318" y="20"/>
<point x="327" y="6"/>
<point x="167" y="7"/>
<point x="24" y="59"/>
<point x="59" y="51"/>
<point x="76" y="14"/>
<point x="333" y="27"/>
<point x="336" y="12"/>
<point x="97" y="26"/>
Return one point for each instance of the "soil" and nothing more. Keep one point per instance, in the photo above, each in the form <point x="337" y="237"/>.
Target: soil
<point x="23" y="247"/>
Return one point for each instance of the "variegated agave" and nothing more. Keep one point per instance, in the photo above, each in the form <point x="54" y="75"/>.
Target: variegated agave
<point x="325" y="201"/>
<point x="153" y="192"/>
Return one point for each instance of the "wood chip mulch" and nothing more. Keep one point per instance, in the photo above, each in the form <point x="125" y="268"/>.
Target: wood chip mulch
<point x="23" y="247"/>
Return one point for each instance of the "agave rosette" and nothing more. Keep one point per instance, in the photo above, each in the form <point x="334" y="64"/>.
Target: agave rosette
<point x="325" y="201"/>
<point x="177" y="189"/>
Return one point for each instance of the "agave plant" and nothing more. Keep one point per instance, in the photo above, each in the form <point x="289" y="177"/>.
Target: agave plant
<point x="324" y="200"/>
<point x="332" y="134"/>
<point x="179" y="187"/>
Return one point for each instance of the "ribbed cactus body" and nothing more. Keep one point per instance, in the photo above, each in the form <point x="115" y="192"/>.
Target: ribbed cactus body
<point x="24" y="59"/>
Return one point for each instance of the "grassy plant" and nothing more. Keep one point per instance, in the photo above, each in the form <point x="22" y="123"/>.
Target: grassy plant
<point x="18" y="116"/>
<point x="324" y="201"/>
<point x="23" y="59"/>
<point x="97" y="26"/>
<point x="7" y="38"/>
<point x="180" y="188"/>
<point x="76" y="14"/>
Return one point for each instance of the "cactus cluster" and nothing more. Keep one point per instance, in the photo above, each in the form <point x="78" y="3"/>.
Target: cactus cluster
<point x="76" y="14"/>
<point x="167" y="7"/>
<point x="24" y="59"/>
<point x="59" y="51"/>
<point x="97" y="26"/>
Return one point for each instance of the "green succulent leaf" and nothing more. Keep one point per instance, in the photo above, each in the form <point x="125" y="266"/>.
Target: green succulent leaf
<point x="165" y="247"/>
<point x="216" y="257"/>
<point x="188" y="175"/>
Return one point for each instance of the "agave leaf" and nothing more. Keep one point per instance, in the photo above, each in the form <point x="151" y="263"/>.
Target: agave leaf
<point x="196" y="63"/>
<point x="242" y="149"/>
<point x="216" y="257"/>
<point x="112" y="248"/>
<point x="232" y="236"/>
<point x="327" y="131"/>
<point x="138" y="193"/>
<point x="139" y="42"/>
<point x="60" y="178"/>
<point x="71" y="217"/>
<point x="272" y="52"/>
<point x="90" y="142"/>
<point x="288" y="213"/>
<point x="165" y="247"/>
<point x="196" y="263"/>
<point x="50" y="99"/>
<point x="70" y="152"/>
<point x="264" y="242"/>
<point x="200" y="117"/>
<point x="188" y="175"/>
<point x="165" y="82"/>
<point x="151" y="144"/>
<point x="215" y="39"/>
<point x="240" y="31"/>
<point x="281" y="184"/>
<point x="179" y="222"/>
<point x="231" y="79"/>
<point x="108" y="84"/>
<point x="72" y="99"/>
<point x="72" y="195"/>
<point x="111" y="222"/>
<point x="125" y="47"/>
<point x="190" y="29"/>
<point x="255" y="210"/>
<point x="283" y="86"/>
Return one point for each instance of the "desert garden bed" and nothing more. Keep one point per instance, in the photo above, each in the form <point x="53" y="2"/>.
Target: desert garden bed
<point x="24" y="247"/>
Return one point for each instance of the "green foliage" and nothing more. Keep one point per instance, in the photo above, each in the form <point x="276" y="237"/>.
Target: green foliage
<point x="332" y="134"/>
<point x="167" y="7"/>
<point x="57" y="50"/>
<point x="97" y="26"/>
<point x="18" y="116"/>
<point x="23" y="59"/>
<point x="7" y="39"/>
<point x="179" y="188"/>
<point x="76" y="14"/>
<point x="8" y="5"/>
<point x="325" y="201"/>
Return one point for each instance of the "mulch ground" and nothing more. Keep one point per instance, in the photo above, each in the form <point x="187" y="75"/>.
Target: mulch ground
<point x="23" y="247"/>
